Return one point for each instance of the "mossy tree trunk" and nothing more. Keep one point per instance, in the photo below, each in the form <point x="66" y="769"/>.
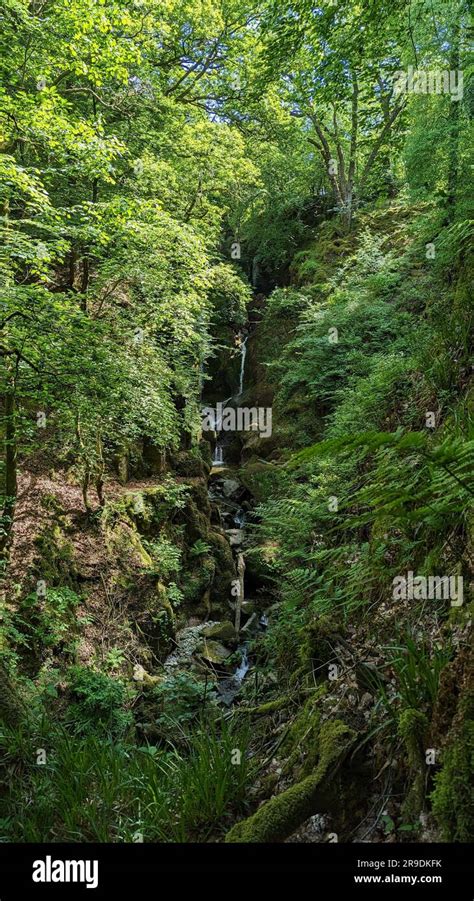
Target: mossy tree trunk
<point x="283" y="814"/>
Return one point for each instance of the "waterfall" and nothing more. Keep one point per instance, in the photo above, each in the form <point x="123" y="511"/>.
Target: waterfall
<point x="218" y="459"/>
<point x="243" y="354"/>
<point x="243" y="667"/>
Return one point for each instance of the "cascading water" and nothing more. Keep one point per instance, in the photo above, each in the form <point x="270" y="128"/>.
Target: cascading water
<point x="243" y="354"/>
<point x="229" y="687"/>
<point x="240" y="518"/>
<point x="243" y="667"/>
<point x="218" y="458"/>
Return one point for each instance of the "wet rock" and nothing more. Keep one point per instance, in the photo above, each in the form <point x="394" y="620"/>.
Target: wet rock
<point x="227" y="691"/>
<point x="235" y="536"/>
<point x="230" y="487"/>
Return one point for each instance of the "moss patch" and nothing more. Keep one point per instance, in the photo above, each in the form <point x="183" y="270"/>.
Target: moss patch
<point x="281" y="816"/>
<point x="453" y="802"/>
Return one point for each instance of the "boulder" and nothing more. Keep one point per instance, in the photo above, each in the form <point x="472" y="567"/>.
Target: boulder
<point x="230" y="487"/>
<point x="214" y="651"/>
<point x="235" y="536"/>
<point x="140" y="675"/>
<point x="223" y="632"/>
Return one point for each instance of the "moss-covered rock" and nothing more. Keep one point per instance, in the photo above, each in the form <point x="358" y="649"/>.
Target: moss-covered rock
<point x="55" y="558"/>
<point x="125" y="549"/>
<point x="258" y="479"/>
<point x="148" y="509"/>
<point x="301" y="744"/>
<point x="196" y="581"/>
<point x="214" y="651"/>
<point x="137" y="459"/>
<point x="156" y="621"/>
<point x="195" y="515"/>
<point x="190" y="463"/>
<point x="141" y="676"/>
<point x="452" y="800"/>
<point x="280" y="816"/>
<point x="412" y="729"/>
<point x="224" y="632"/>
<point x="205" y="450"/>
<point x="225" y="572"/>
<point x="257" y="447"/>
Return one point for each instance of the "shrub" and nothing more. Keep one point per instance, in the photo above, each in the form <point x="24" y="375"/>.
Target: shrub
<point x="98" y="703"/>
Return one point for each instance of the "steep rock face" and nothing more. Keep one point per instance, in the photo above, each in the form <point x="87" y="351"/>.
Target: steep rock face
<point x="206" y="561"/>
<point x="127" y="576"/>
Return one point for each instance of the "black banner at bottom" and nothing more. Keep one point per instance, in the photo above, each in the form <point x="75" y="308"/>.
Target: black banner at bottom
<point x="102" y="871"/>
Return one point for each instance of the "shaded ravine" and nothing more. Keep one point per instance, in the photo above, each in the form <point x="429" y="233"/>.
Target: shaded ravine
<point x="222" y="647"/>
<point x="224" y="491"/>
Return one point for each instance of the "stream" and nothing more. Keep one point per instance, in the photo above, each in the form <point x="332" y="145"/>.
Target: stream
<point x="229" y="686"/>
<point x="210" y="640"/>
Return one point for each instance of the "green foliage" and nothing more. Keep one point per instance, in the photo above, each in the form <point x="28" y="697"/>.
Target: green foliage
<point x="50" y="619"/>
<point x="179" y="700"/>
<point x="114" y="659"/>
<point x="95" y="789"/>
<point x="199" y="548"/>
<point x="166" y="556"/>
<point x="417" y="672"/>
<point x="138" y="142"/>
<point x="98" y="703"/>
<point x="451" y="799"/>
